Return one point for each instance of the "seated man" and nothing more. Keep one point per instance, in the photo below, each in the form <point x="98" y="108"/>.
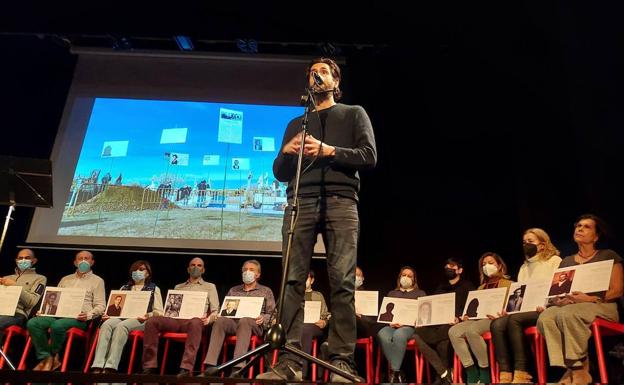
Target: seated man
<point x="193" y="327"/>
<point x="33" y="286"/>
<point x="48" y="346"/>
<point x="243" y="328"/>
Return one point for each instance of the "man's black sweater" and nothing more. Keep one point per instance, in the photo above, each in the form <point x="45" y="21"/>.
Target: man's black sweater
<point x="349" y="130"/>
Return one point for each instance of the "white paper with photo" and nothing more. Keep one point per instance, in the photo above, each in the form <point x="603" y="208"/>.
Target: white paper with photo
<point x="68" y="303"/>
<point x="182" y="304"/>
<point x="533" y="294"/>
<point x="210" y="160"/>
<point x="592" y="277"/>
<point x="366" y="302"/>
<point x="240" y="164"/>
<point x="173" y="135"/>
<point x="134" y="304"/>
<point x="179" y="159"/>
<point x="9" y="297"/>
<point x="480" y="303"/>
<point x="247" y="306"/>
<point x="441" y="309"/>
<point x="398" y="310"/>
<point x="230" y="126"/>
<point x="311" y="312"/>
<point x="115" y="149"/>
<point x="263" y="143"/>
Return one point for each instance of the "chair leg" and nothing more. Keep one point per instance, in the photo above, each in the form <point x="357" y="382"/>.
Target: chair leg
<point x="5" y="347"/>
<point x="600" y="353"/>
<point x="68" y="345"/>
<point x="22" y="364"/>
<point x="91" y="351"/>
<point x="313" y="366"/>
<point x="253" y="346"/>
<point x="378" y="366"/>
<point x="369" y="362"/>
<point x="135" y="342"/>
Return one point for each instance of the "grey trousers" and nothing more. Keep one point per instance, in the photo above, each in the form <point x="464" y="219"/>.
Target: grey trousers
<point x="111" y="341"/>
<point x="466" y="336"/>
<point x="566" y="330"/>
<point x="242" y="328"/>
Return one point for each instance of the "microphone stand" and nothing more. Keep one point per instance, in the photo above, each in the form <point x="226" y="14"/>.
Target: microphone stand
<point x="275" y="337"/>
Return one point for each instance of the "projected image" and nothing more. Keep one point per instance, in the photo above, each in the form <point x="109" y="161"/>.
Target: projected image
<point x="172" y="169"/>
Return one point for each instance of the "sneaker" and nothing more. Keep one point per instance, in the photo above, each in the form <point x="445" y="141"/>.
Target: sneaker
<point x="184" y="373"/>
<point x="209" y="371"/>
<point x="285" y="370"/>
<point x="149" y="371"/>
<point x="445" y="379"/>
<point x="342" y="365"/>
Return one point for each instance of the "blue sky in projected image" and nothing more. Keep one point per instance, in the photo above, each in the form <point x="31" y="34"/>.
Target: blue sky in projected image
<point x="140" y="122"/>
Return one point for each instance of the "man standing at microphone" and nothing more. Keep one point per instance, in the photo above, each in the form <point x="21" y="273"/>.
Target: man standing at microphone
<point x="340" y="142"/>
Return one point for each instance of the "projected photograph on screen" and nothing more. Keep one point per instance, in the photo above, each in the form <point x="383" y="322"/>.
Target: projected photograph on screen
<point x="178" y="170"/>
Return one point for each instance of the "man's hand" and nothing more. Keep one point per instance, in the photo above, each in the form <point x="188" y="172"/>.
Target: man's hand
<point x="259" y="320"/>
<point x="314" y="147"/>
<point x="395" y="325"/>
<point x="580" y="297"/>
<point x="105" y="317"/>
<point x="293" y="145"/>
<point x="562" y="301"/>
<point x="142" y="318"/>
<point x="321" y="323"/>
<point x="7" y="281"/>
<point x="82" y="316"/>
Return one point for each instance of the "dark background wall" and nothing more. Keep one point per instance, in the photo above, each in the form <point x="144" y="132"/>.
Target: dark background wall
<point x="489" y="119"/>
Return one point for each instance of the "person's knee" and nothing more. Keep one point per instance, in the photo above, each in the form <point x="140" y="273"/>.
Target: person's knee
<point x="245" y="323"/>
<point x="455" y="332"/>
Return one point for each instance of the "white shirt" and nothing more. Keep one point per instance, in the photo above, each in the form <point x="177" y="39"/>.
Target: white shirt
<point x="538" y="268"/>
<point x="95" y="296"/>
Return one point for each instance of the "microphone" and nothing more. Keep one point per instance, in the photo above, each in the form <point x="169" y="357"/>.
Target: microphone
<point x="318" y="80"/>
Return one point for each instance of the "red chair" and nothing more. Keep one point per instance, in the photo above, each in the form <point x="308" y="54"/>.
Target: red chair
<point x="255" y="341"/>
<point x="9" y="332"/>
<point x="367" y="345"/>
<point x="72" y="333"/>
<point x="458" y="368"/>
<point x="601" y="327"/>
<point x="411" y="345"/>
<point x="135" y="335"/>
<point x="538" y="347"/>
<point x="91" y="351"/>
<point x="178" y="337"/>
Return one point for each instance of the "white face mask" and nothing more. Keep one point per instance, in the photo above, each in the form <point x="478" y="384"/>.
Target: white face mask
<point x="249" y="276"/>
<point x="489" y="269"/>
<point x="359" y="281"/>
<point x="405" y="282"/>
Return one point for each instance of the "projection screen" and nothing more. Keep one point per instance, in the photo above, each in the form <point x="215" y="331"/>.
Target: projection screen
<point x="159" y="150"/>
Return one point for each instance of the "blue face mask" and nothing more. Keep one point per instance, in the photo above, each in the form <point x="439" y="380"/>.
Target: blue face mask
<point x="84" y="266"/>
<point x="138" y="275"/>
<point x="24" y="264"/>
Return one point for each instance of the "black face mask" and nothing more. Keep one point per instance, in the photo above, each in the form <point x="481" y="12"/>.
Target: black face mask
<point x="450" y="273"/>
<point x="529" y="250"/>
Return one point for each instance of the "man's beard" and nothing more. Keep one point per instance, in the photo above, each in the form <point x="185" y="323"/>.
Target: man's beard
<point x="321" y="96"/>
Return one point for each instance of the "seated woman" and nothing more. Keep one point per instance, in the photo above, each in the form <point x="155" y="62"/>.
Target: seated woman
<point x="114" y="331"/>
<point x="466" y="335"/>
<point x="393" y="339"/>
<point x="541" y="260"/>
<point x="565" y="325"/>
